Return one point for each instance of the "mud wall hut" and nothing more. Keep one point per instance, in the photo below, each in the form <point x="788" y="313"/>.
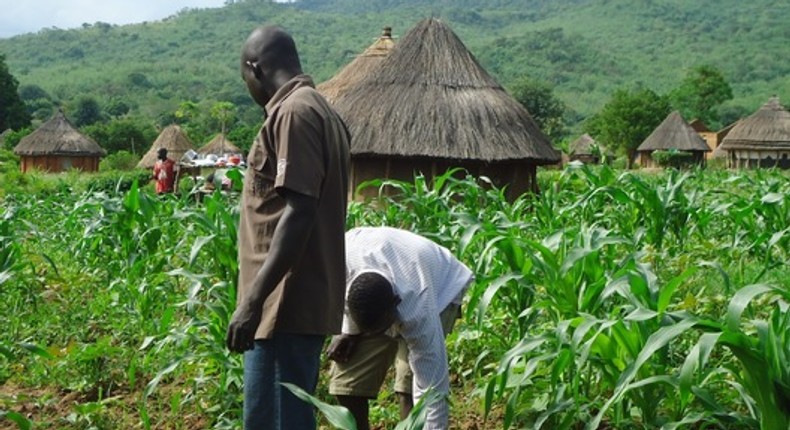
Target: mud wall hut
<point x="57" y="146"/>
<point x="761" y="139"/>
<point x="171" y="138"/>
<point x="674" y="133"/>
<point x="429" y="106"/>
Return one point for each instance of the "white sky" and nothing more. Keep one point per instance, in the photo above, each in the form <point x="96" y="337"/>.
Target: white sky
<point x="26" y="16"/>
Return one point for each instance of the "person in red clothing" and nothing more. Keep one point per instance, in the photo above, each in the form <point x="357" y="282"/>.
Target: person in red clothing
<point x="164" y="173"/>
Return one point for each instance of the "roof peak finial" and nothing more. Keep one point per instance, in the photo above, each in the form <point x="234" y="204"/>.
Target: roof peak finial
<point x="386" y="32"/>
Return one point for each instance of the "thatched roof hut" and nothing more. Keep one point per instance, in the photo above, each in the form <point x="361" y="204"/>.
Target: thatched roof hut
<point x="674" y="133"/>
<point x="171" y="138"/>
<point x="57" y="146"/>
<point x="219" y="145"/>
<point x="359" y="68"/>
<point x="582" y="149"/>
<point x="429" y="105"/>
<point x="761" y="139"/>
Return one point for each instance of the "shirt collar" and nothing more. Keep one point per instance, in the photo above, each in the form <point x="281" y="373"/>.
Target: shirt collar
<point x="286" y="90"/>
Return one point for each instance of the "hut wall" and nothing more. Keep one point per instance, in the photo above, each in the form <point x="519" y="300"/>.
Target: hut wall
<point x="56" y="164"/>
<point x="518" y="177"/>
<point x="585" y="158"/>
<point x="745" y="159"/>
<point x="712" y="139"/>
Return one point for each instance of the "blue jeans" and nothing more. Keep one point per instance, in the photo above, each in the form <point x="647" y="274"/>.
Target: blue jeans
<point x="285" y="357"/>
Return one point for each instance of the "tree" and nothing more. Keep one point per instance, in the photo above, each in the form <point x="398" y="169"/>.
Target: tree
<point x="548" y="111"/>
<point x="700" y="95"/>
<point x="224" y="112"/>
<point x="627" y="119"/>
<point x="87" y="112"/>
<point x="13" y="112"/>
<point x="122" y="134"/>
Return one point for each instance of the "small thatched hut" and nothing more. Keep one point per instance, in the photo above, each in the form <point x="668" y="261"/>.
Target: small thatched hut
<point x="674" y="133"/>
<point x="57" y="146"/>
<point x="584" y="149"/>
<point x="171" y="138"/>
<point x="428" y="106"/>
<point x="359" y="68"/>
<point x="219" y="145"/>
<point x="761" y="139"/>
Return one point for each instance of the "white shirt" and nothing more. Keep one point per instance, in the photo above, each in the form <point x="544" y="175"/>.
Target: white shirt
<point x="427" y="278"/>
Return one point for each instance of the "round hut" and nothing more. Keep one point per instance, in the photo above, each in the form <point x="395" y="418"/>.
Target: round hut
<point x="171" y="138"/>
<point x="219" y="145"/>
<point x="359" y="68"/>
<point x="674" y="133"/>
<point x="57" y="146"/>
<point x="761" y="139"/>
<point x="429" y="106"/>
<point x="586" y="150"/>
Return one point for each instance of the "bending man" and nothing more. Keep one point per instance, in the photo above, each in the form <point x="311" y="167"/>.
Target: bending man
<point x="404" y="293"/>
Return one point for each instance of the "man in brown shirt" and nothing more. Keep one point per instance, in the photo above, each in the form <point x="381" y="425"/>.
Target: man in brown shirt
<point x="291" y="235"/>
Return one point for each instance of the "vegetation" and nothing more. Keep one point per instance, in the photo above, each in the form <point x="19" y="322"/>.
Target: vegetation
<point x="627" y="119"/>
<point x="13" y="113"/>
<point x="631" y="300"/>
<point x="583" y="49"/>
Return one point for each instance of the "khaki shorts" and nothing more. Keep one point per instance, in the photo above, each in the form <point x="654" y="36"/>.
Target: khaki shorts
<point x="363" y="374"/>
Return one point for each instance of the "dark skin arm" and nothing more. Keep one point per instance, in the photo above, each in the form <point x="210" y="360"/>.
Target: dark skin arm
<point x="342" y="347"/>
<point x="288" y="244"/>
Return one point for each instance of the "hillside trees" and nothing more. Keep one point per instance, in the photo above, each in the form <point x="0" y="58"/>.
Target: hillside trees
<point x="701" y="93"/>
<point x="546" y="109"/>
<point x="627" y="119"/>
<point x="13" y="112"/>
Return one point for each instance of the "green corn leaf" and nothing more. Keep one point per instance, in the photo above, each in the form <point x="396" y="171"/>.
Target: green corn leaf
<point x="656" y="341"/>
<point x="37" y="350"/>
<point x="21" y="422"/>
<point x="739" y="302"/>
<point x="338" y="416"/>
<point x="665" y="294"/>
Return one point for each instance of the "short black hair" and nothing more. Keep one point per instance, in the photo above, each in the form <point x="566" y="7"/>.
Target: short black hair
<point x="371" y="301"/>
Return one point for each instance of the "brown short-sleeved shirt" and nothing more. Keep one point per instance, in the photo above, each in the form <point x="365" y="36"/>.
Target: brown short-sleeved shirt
<point x="303" y="147"/>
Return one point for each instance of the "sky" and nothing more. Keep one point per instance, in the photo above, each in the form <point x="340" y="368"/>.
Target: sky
<point x="29" y="16"/>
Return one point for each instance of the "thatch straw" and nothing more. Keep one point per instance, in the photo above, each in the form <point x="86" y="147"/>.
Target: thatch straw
<point x="58" y="137"/>
<point x="699" y="126"/>
<point x="219" y="145"/>
<point x="768" y="129"/>
<point x="431" y="98"/>
<point x="583" y="146"/>
<point x="674" y="133"/>
<point x="171" y="138"/>
<point x="359" y="68"/>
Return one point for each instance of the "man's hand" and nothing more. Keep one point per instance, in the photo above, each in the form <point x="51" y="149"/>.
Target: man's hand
<point x="342" y="347"/>
<point x="241" y="331"/>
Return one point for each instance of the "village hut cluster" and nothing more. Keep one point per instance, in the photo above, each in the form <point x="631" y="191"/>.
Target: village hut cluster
<point x="424" y="104"/>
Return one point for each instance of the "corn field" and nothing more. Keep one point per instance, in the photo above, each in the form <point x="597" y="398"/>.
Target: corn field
<point x="611" y="300"/>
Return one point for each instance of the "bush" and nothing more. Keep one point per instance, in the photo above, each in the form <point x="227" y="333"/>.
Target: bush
<point x="8" y="161"/>
<point x="673" y="158"/>
<point x="121" y="160"/>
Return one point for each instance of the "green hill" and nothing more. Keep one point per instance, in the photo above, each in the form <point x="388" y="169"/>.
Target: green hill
<point x="585" y="48"/>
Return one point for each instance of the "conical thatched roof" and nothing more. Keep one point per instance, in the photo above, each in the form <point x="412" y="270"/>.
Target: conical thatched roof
<point x="674" y="133"/>
<point x="431" y="98"/>
<point x="582" y="146"/>
<point x="174" y="140"/>
<point x="767" y="129"/>
<point x="219" y="145"/>
<point x="58" y="137"/>
<point x="359" y="68"/>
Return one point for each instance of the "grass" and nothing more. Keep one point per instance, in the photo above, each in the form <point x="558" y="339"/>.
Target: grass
<point x="631" y="300"/>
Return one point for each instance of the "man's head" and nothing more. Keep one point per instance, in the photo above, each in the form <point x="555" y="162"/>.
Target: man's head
<point x="268" y="60"/>
<point x="162" y="154"/>
<point x="372" y="302"/>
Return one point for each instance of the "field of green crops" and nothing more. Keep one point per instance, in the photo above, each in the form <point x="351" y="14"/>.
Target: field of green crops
<point x="613" y="300"/>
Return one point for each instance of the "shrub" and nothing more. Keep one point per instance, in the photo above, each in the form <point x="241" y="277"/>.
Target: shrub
<point x="121" y="160"/>
<point x="673" y="158"/>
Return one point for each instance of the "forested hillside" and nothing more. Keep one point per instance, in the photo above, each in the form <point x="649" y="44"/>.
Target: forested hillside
<point x="585" y="49"/>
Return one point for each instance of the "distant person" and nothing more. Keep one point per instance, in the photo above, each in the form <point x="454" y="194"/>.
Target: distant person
<point x="292" y="266"/>
<point x="404" y="295"/>
<point x="164" y="172"/>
